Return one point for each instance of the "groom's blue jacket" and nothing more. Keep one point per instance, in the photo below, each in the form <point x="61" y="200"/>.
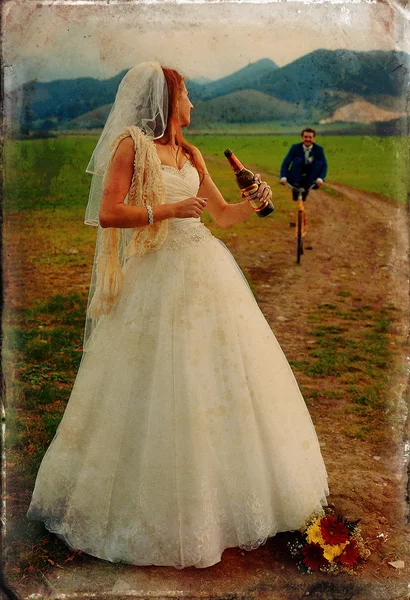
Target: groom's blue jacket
<point x="294" y="166"/>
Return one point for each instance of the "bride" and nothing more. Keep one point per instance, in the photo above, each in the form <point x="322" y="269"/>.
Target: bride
<point x="185" y="432"/>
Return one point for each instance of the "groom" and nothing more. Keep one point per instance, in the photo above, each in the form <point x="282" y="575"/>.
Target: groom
<point x="305" y="164"/>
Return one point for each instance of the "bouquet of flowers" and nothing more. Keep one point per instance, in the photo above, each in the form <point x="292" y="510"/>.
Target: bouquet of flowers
<point x="329" y="544"/>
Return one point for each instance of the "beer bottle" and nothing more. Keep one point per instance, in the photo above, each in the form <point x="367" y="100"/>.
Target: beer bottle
<point x="249" y="187"/>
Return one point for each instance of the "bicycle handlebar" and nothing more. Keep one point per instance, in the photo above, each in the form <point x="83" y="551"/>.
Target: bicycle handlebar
<point x="301" y="189"/>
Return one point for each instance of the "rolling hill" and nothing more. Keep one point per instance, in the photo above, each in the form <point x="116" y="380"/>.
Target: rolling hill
<point x="361" y="73"/>
<point x="250" y="77"/>
<point x="360" y="112"/>
<point x="245" y="106"/>
<point x="312" y="88"/>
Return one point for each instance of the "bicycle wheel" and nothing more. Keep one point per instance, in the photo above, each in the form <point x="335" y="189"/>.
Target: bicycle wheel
<point x="299" y="238"/>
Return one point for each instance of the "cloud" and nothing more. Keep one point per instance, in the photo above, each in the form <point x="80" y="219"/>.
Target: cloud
<point x="55" y="41"/>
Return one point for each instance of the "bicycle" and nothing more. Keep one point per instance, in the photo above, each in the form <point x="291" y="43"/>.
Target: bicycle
<point x="301" y="218"/>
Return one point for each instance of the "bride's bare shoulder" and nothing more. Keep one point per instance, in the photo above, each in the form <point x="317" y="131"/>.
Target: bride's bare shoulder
<point x="124" y="154"/>
<point x="126" y="144"/>
<point x="125" y="149"/>
<point x="198" y="155"/>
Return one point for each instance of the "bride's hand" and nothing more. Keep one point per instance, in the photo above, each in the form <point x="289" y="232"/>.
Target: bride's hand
<point x="264" y="191"/>
<point x="191" y="207"/>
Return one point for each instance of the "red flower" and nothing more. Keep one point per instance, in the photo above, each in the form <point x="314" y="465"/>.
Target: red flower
<point x="313" y="557"/>
<point x="349" y="555"/>
<point x="334" y="532"/>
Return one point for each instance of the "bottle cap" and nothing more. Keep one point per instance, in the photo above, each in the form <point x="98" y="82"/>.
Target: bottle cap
<point x="228" y="153"/>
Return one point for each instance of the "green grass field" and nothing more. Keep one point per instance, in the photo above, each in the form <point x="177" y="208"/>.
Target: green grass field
<point x="50" y="173"/>
<point x="277" y="128"/>
<point x="375" y="164"/>
<point x="45" y="181"/>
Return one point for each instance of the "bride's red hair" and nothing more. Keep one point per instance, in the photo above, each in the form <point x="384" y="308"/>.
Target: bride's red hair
<point x="175" y="83"/>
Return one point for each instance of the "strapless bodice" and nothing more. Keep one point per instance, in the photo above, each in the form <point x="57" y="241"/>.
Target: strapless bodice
<point x="179" y="185"/>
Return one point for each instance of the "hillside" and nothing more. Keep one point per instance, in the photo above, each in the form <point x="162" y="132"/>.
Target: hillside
<point x="247" y="106"/>
<point x="312" y="87"/>
<point x="93" y="119"/>
<point x="361" y="73"/>
<point x="250" y="77"/>
<point x="361" y="112"/>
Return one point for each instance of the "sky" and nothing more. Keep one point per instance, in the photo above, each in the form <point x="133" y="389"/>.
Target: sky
<point x="90" y="38"/>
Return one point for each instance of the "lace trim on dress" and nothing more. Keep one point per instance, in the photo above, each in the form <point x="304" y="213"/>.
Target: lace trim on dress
<point x="180" y="171"/>
<point x="244" y="522"/>
<point x="147" y="187"/>
<point x="186" y="236"/>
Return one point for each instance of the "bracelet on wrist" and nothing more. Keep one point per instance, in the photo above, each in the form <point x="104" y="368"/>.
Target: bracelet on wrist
<point x="150" y="215"/>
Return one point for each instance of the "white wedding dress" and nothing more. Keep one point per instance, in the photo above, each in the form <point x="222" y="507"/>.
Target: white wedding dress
<point x="186" y="432"/>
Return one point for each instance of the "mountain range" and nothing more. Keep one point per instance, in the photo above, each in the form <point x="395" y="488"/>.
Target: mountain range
<point x="311" y="89"/>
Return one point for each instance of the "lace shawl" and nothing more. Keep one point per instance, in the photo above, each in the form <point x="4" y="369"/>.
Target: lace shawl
<point x="114" y="245"/>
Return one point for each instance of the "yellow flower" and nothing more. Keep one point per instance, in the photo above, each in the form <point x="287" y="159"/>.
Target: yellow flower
<point x="314" y="535"/>
<point x="330" y="552"/>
